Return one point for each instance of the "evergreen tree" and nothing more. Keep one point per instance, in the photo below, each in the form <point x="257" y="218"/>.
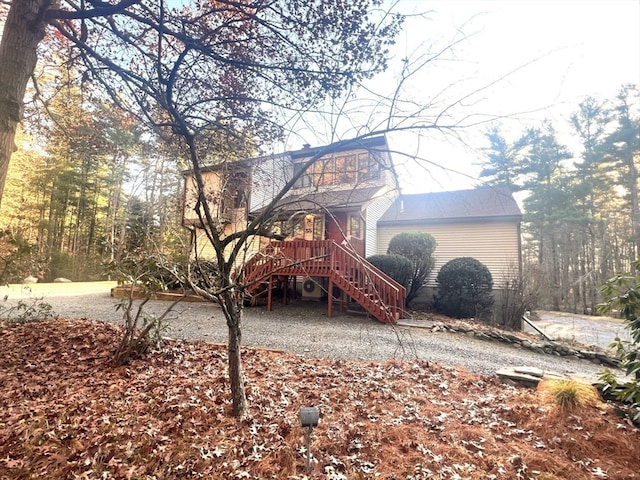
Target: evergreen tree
<point x="541" y="165"/>
<point x="501" y="166"/>
<point x="621" y="150"/>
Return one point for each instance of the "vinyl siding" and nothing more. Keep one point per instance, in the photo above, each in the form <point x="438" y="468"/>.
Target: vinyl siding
<point x="269" y="175"/>
<point x="206" y="252"/>
<point x="495" y="244"/>
<point x="374" y="211"/>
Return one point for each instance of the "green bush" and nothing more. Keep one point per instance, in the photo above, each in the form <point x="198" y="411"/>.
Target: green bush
<point x="464" y="289"/>
<point x="418" y="247"/>
<point x="622" y="293"/>
<point x="31" y="310"/>
<point x="61" y="264"/>
<point x="396" y="266"/>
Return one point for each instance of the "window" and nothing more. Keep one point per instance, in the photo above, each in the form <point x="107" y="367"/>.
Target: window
<point x="340" y="170"/>
<point x="305" y="179"/>
<point x="369" y="167"/>
<point x="355" y="226"/>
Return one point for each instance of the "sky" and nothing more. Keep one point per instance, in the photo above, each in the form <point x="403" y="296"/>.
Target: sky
<point x="544" y="56"/>
<point x="527" y="60"/>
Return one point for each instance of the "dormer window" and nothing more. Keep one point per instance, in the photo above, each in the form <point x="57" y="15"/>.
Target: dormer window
<point x="340" y="169"/>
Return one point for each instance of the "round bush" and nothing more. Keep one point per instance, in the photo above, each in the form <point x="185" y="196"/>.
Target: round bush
<point x="419" y="248"/>
<point x="396" y="266"/>
<point x="464" y="289"/>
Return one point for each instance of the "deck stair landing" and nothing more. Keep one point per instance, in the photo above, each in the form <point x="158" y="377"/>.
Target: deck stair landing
<point x="375" y="291"/>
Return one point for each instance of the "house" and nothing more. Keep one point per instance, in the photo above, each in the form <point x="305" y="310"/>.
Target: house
<point x="343" y="208"/>
<point x="482" y="223"/>
<point x="326" y="221"/>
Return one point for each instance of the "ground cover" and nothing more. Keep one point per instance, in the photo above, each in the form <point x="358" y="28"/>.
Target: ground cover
<point x="67" y="413"/>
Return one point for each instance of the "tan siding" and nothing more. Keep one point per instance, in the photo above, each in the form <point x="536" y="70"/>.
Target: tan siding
<point x="206" y="252"/>
<point x="494" y="244"/>
<point x="212" y="189"/>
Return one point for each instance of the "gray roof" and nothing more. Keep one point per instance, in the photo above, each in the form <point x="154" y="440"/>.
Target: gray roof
<point x="487" y="203"/>
<point x="332" y="200"/>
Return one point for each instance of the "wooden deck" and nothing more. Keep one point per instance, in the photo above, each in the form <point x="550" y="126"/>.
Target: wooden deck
<point x="356" y="278"/>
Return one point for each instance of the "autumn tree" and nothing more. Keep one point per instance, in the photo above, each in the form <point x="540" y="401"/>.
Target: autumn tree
<point x="225" y="70"/>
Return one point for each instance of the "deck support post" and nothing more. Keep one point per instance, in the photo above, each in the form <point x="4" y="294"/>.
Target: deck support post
<point x="270" y="293"/>
<point x="330" y="299"/>
<point x="286" y="288"/>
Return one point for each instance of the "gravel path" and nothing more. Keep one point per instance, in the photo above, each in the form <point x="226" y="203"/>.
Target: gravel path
<point x="304" y="329"/>
<point x="591" y="330"/>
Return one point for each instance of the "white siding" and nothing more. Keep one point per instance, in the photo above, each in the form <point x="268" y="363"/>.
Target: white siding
<point x="495" y="244"/>
<point x="268" y="177"/>
<point x="375" y="210"/>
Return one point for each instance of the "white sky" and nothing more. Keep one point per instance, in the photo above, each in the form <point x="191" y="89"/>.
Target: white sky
<point x="568" y="49"/>
<point x="583" y="48"/>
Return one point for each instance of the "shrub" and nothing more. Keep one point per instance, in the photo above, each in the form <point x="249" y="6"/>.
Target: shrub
<point x="396" y="266"/>
<point x="33" y="310"/>
<point x="517" y="295"/>
<point x="622" y="293"/>
<point x="464" y="289"/>
<point x="150" y="273"/>
<point x="418" y="247"/>
<point x="18" y="257"/>
<point x="61" y="264"/>
<point x="568" y="395"/>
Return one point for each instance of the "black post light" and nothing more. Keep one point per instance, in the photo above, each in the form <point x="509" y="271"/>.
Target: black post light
<point x="309" y="418"/>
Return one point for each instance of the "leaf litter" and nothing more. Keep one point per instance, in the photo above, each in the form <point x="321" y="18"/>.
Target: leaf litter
<point x="67" y="413"/>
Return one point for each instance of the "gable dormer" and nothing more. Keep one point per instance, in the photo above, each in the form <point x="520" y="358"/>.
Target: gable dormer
<point x="363" y="164"/>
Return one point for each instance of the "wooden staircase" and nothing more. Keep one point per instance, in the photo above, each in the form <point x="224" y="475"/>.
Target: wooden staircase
<point x="375" y="291"/>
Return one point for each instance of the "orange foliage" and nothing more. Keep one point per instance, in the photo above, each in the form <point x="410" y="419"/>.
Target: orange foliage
<point x="66" y="412"/>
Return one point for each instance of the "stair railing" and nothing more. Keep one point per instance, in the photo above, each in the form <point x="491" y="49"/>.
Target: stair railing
<point x="382" y="296"/>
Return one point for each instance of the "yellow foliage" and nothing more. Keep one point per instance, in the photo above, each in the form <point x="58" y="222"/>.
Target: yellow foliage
<point x="568" y="395"/>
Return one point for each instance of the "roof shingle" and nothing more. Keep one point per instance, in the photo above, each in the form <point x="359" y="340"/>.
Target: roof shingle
<point x="479" y="203"/>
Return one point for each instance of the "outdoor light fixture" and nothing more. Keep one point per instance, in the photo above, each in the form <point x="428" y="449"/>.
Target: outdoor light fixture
<point x="309" y="418"/>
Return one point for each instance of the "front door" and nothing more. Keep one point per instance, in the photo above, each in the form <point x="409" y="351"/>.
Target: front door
<point x="313" y="227"/>
<point x="337" y="227"/>
<point x="341" y="226"/>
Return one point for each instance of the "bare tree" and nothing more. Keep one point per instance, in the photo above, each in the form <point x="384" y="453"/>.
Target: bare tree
<point x="218" y="78"/>
<point x="218" y="70"/>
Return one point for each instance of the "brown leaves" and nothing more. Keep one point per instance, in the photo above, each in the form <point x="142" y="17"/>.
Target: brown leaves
<point x="67" y="413"/>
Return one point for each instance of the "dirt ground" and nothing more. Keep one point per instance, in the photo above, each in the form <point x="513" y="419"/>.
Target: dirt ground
<point x="69" y="413"/>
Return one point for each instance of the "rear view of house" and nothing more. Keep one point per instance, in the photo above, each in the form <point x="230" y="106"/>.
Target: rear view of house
<point x="324" y="225"/>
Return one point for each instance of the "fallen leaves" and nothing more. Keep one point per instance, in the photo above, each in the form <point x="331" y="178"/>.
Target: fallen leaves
<point x="67" y="413"/>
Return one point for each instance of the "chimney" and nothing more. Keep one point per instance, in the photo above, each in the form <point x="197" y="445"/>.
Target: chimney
<point x="401" y="206"/>
<point x="306" y="146"/>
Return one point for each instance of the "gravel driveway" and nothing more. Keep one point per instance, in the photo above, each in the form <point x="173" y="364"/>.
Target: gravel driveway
<point x="304" y="329"/>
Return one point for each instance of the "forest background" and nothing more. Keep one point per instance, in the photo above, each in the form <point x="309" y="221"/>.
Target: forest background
<point x="88" y="185"/>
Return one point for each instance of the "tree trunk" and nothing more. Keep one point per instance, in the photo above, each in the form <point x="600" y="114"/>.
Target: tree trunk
<point x="23" y="31"/>
<point x="233" y="312"/>
<point x="635" y="205"/>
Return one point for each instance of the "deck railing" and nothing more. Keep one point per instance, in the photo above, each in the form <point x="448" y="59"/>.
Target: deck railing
<point x="378" y="293"/>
